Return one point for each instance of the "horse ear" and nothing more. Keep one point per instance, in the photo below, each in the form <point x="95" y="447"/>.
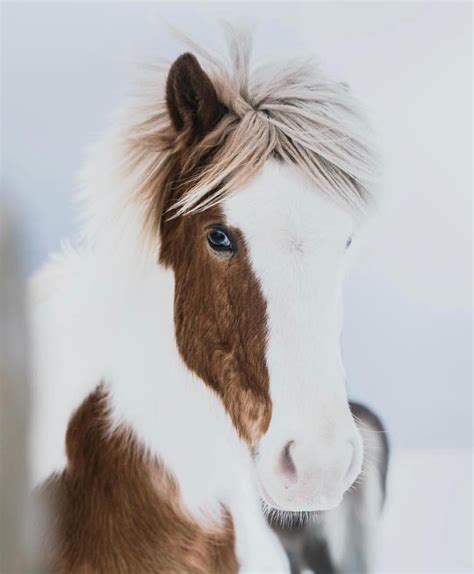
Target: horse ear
<point x="191" y="98"/>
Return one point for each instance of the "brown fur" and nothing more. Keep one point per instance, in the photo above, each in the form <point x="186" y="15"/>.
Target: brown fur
<point x="116" y="510"/>
<point x="220" y="319"/>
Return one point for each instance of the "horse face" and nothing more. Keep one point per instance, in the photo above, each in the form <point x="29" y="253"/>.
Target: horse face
<point x="258" y="318"/>
<point x="258" y="313"/>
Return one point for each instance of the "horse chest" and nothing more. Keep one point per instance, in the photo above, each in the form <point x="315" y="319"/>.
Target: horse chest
<point x="114" y="510"/>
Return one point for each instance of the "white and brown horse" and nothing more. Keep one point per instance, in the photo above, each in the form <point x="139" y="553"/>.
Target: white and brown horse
<point x="186" y="351"/>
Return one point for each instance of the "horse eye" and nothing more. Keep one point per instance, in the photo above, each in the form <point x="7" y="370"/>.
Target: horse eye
<point x="348" y="242"/>
<point x="220" y="240"/>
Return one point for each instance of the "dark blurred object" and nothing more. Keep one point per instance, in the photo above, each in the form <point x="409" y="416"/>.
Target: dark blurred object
<point x="14" y="402"/>
<point x="343" y="540"/>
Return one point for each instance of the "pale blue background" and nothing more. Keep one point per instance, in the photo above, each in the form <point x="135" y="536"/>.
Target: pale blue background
<point x="407" y="338"/>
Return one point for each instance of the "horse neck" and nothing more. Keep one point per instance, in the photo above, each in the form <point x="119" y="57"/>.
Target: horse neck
<point x="121" y="332"/>
<point x="172" y="411"/>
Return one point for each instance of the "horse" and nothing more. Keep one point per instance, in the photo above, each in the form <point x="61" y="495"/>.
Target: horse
<point x="186" y="357"/>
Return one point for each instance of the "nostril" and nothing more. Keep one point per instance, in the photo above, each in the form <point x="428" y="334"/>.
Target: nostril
<point x="287" y="464"/>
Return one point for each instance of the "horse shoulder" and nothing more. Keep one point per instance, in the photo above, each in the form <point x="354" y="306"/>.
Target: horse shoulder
<point x="115" y="508"/>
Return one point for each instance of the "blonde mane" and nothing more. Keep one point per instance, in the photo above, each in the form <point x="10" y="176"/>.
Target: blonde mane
<point x="292" y="112"/>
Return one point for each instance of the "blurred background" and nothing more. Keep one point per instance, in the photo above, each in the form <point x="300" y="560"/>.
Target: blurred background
<point x="408" y="309"/>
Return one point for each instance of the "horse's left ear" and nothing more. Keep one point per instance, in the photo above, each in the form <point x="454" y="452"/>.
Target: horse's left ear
<point x="191" y="98"/>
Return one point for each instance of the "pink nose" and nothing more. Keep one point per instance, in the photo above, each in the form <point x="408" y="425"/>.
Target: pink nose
<point x="343" y="468"/>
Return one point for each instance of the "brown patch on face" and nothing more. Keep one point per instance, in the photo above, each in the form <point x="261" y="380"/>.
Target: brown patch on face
<point x="220" y="318"/>
<point x="220" y="312"/>
<point x="116" y="510"/>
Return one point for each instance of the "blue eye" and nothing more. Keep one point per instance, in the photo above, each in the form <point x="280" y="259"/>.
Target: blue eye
<point x="220" y="240"/>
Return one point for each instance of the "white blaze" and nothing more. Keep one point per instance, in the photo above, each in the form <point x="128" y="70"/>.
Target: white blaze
<point x="297" y="238"/>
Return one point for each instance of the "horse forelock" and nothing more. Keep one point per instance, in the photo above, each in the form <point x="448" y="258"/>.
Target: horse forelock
<point x="293" y="112"/>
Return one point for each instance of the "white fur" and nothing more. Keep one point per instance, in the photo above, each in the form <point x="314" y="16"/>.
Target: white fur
<point x="297" y="238"/>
